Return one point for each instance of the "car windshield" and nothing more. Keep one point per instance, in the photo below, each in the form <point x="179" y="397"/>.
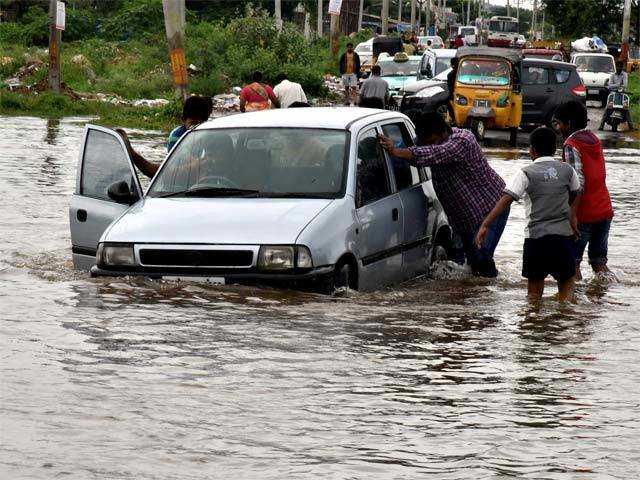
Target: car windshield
<point x="442" y="64"/>
<point x="399" y="69"/>
<point x="467" y="31"/>
<point x="365" y="48"/>
<point x="597" y="64"/>
<point x="275" y="162"/>
<point x="484" y="72"/>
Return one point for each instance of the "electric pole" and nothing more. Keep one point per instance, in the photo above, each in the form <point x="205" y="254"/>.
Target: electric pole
<point x="413" y="15"/>
<point x="384" y="17"/>
<point x="626" y="28"/>
<point x="360" y="13"/>
<point x="508" y="9"/>
<point x="54" y="48"/>
<point x="468" y="12"/>
<point x="335" y="35"/>
<point x="278" y="10"/>
<point x="319" y="26"/>
<point x="174" y="21"/>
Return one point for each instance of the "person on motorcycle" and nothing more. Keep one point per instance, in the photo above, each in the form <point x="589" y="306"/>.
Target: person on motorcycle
<point x="620" y="79"/>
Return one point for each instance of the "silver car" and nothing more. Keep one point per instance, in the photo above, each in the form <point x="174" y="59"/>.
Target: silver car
<point x="303" y="196"/>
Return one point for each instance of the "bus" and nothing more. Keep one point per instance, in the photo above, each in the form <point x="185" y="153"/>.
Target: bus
<point x="503" y="31"/>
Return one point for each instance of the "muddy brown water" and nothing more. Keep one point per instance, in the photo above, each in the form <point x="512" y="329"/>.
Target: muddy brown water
<point x="454" y="377"/>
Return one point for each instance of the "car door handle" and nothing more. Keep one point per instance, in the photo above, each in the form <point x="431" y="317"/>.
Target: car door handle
<point x="81" y="215"/>
<point x="395" y="214"/>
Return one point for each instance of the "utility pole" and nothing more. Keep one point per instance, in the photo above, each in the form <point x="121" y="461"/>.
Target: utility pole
<point x="360" y="13"/>
<point x="468" y="12"/>
<point x="278" y="12"/>
<point x="335" y="35"/>
<point x="542" y="29"/>
<point x="427" y="15"/>
<point x="518" y="13"/>
<point x="384" y="17"/>
<point x="307" y="24"/>
<point x="319" y="26"/>
<point x="508" y="9"/>
<point x="413" y="15"/>
<point x="174" y="20"/>
<point x="399" y="11"/>
<point x="54" y="48"/>
<point x="626" y="28"/>
<point x="534" y="19"/>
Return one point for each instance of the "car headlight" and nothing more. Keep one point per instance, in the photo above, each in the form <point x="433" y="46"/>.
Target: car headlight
<point x="284" y="257"/>
<point x="461" y="100"/>
<point x="115" y="254"/>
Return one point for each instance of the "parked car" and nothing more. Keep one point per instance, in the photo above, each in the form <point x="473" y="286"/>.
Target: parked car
<point x="595" y="70"/>
<point x="308" y="199"/>
<point x="545" y="85"/>
<point x="470" y="35"/>
<point x="543" y="54"/>
<point x="365" y="51"/>
<point x="436" y="42"/>
<point x="434" y="62"/>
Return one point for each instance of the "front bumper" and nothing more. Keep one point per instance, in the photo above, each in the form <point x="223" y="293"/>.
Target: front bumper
<point x="246" y="276"/>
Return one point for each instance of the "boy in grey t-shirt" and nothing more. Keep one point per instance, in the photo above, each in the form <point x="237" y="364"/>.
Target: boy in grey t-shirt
<point x="549" y="187"/>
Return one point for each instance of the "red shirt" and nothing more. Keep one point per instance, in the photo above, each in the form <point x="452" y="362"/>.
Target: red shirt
<point x="255" y="93"/>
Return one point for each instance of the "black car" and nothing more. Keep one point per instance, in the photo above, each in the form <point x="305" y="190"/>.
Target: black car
<point x="545" y="85"/>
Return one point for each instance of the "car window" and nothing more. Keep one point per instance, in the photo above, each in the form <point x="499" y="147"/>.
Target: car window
<point x="401" y="169"/>
<point x="562" y="76"/>
<point x="442" y="64"/>
<point x="274" y="161"/>
<point x="105" y="163"/>
<point x="372" y="179"/>
<point x="535" y="76"/>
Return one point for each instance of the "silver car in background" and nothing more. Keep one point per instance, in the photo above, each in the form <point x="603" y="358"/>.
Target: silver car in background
<point x="303" y="196"/>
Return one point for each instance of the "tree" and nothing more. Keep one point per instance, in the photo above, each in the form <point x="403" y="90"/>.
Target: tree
<point x="578" y="18"/>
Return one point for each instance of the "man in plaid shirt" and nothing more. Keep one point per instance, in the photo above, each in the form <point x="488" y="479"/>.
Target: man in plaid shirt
<point x="467" y="187"/>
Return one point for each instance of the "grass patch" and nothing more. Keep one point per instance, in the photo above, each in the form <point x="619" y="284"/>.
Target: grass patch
<point x="50" y="105"/>
<point x="634" y="93"/>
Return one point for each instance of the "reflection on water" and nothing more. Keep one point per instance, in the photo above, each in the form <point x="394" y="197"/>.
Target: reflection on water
<point x="452" y="376"/>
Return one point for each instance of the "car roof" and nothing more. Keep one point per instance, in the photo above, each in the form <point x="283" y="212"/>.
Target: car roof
<point x="334" y="118"/>
<point x="509" y="54"/>
<point x="391" y="59"/>
<point x="541" y="51"/>
<point x="551" y="63"/>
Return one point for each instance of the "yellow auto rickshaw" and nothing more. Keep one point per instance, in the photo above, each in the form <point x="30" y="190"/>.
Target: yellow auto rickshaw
<point x="487" y="92"/>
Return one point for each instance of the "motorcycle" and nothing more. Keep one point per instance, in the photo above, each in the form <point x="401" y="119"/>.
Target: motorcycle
<point x="618" y="106"/>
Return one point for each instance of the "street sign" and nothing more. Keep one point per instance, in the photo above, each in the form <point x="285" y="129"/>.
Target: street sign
<point x="334" y="7"/>
<point x="61" y="15"/>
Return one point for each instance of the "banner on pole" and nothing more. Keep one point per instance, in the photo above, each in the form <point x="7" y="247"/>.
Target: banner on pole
<point x="334" y="7"/>
<point x="61" y="16"/>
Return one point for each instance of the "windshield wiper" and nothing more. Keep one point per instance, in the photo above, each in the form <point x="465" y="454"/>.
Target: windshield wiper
<point x="212" y="192"/>
<point x="296" y="195"/>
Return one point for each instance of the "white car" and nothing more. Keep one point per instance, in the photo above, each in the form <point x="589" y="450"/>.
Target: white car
<point x="436" y="42"/>
<point x="267" y="196"/>
<point x="434" y="62"/>
<point x="595" y="70"/>
<point x="365" y="51"/>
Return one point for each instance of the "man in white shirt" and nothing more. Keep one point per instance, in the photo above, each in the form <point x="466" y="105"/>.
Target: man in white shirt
<point x="288" y="92"/>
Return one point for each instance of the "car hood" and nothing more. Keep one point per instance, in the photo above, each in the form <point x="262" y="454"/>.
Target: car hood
<point x="215" y="220"/>
<point x="415" y="87"/>
<point x="593" y="78"/>
<point x="396" y="83"/>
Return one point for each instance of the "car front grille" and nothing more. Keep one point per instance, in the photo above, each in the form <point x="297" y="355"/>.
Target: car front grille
<point x="196" y="258"/>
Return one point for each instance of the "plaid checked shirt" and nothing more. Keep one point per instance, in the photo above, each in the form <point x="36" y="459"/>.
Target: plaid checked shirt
<point x="467" y="187"/>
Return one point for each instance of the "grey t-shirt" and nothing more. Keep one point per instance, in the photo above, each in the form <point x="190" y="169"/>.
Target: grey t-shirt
<point x="374" y="87"/>
<point x="545" y="185"/>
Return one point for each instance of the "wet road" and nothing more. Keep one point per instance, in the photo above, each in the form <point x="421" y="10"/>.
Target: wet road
<point x="456" y="377"/>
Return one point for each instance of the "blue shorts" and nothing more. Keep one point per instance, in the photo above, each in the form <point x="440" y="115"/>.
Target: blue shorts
<point x="596" y="236"/>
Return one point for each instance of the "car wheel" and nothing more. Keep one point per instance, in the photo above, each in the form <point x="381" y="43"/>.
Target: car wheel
<point x="344" y="276"/>
<point x="513" y="137"/>
<point x="439" y="254"/>
<point x="478" y="128"/>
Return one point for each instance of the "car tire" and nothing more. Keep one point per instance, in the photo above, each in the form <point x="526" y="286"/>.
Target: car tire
<point x="345" y="275"/>
<point x="513" y="137"/>
<point x="439" y="254"/>
<point x="478" y="129"/>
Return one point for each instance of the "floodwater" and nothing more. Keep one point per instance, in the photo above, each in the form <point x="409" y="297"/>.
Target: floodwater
<point x="454" y="377"/>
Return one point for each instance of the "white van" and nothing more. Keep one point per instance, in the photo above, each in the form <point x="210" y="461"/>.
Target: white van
<point x="469" y="34"/>
<point x="595" y="70"/>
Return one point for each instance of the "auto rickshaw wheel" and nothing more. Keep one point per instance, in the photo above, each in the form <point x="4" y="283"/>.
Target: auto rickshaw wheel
<point x="478" y="128"/>
<point x="513" y="136"/>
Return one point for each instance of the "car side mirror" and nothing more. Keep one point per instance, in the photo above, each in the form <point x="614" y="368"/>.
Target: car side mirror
<point x="120" y="192"/>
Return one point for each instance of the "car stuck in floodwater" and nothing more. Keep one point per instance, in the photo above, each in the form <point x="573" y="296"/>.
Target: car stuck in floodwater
<point x="304" y="196"/>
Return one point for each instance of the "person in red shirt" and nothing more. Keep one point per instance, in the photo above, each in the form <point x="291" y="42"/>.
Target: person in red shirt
<point x="594" y="212"/>
<point x="458" y="42"/>
<point x="257" y="95"/>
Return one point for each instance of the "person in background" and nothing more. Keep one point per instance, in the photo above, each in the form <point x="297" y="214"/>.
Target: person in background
<point x="374" y="87"/>
<point x="196" y="110"/>
<point x="288" y="92"/>
<point x="408" y="47"/>
<point x="257" y="95"/>
<point x="594" y="211"/>
<point x="549" y="187"/>
<point x="618" y="79"/>
<point x="458" y="42"/>
<point x="466" y="185"/>
<point x="350" y="72"/>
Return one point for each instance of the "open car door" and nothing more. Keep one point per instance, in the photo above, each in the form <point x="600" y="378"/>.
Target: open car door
<point x="106" y="186"/>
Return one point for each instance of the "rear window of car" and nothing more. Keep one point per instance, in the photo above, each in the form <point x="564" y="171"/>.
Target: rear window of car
<point x="535" y="76"/>
<point x="562" y="76"/>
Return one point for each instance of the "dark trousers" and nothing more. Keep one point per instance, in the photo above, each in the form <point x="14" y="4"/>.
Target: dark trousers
<point x="607" y="116"/>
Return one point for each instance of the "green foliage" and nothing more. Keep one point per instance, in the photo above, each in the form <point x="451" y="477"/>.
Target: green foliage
<point x="634" y="93"/>
<point x="81" y="24"/>
<point x="135" y="19"/>
<point x="33" y="29"/>
<point x="579" y="18"/>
